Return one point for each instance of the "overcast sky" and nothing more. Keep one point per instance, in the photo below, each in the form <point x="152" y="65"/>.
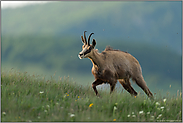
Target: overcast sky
<point x="14" y="4"/>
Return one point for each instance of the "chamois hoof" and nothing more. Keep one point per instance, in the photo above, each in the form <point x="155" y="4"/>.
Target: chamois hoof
<point x="98" y="96"/>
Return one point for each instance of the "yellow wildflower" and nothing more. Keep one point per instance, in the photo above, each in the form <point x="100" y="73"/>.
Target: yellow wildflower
<point x="114" y="119"/>
<point x="91" y="105"/>
<point x="67" y="94"/>
<point x="78" y="96"/>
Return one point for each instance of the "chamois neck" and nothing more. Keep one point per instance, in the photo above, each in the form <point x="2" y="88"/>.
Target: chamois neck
<point x="96" y="59"/>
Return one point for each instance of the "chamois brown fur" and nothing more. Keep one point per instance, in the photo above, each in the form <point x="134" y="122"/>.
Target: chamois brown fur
<point x="111" y="65"/>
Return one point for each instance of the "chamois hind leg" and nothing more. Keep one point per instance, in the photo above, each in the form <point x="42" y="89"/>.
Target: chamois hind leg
<point x="127" y="86"/>
<point x="94" y="84"/>
<point x="141" y="83"/>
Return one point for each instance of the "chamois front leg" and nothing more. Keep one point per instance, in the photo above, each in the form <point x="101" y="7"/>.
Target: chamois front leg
<point x="112" y="86"/>
<point x="94" y="84"/>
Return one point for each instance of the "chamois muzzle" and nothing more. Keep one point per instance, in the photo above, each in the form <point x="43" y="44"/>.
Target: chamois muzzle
<point x="81" y="55"/>
<point x="84" y="52"/>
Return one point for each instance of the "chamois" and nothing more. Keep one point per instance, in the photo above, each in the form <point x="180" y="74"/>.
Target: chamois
<point x="112" y="65"/>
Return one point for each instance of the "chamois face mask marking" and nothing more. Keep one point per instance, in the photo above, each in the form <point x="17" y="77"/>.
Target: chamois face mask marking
<point x="84" y="52"/>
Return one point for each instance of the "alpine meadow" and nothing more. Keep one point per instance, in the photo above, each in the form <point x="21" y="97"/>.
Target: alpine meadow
<point x="43" y="80"/>
<point x="33" y="99"/>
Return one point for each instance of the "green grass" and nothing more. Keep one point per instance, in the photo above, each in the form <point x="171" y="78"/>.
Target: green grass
<point x="32" y="98"/>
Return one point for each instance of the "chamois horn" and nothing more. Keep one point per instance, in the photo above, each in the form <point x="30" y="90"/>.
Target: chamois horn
<point x="85" y="37"/>
<point x="89" y="38"/>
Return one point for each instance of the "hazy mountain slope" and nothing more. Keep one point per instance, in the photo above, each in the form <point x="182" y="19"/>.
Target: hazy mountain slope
<point x="154" y="22"/>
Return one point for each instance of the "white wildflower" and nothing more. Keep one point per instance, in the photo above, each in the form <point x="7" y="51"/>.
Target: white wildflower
<point x="4" y="113"/>
<point x="115" y="108"/>
<point x="128" y="115"/>
<point x="132" y="112"/>
<point x="160" y="115"/>
<point x="41" y="92"/>
<point x="38" y="117"/>
<point x="148" y="112"/>
<point x="157" y="103"/>
<point x="48" y="106"/>
<point x="164" y="100"/>
<point x="141" y="112"/>
<point x="162" y="107"/>
<point x="45" y="111"/>
<point x="133" y="116"/>
<point x="72" y="115"/>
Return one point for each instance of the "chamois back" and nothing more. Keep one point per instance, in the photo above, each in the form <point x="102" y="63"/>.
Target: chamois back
<point x="109" y="48"/>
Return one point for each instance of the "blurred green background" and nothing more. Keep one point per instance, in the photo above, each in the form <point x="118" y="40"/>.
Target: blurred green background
<point x="45" y="39"/>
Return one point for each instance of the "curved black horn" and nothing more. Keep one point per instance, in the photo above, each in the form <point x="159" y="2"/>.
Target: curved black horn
<point x="89" y="38"/>
<point x="85" y="37"/>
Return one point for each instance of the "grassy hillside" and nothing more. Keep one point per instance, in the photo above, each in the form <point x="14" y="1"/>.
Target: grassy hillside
<point x="32" y="98"/>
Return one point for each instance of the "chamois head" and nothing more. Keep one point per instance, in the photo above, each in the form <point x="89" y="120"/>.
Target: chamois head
<point x="87" y="47"/>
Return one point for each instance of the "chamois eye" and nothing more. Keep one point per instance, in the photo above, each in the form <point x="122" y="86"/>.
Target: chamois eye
<point x="83" y="46"/>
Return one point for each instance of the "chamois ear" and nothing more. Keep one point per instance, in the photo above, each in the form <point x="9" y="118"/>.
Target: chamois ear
<point x="93" y="43"/>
